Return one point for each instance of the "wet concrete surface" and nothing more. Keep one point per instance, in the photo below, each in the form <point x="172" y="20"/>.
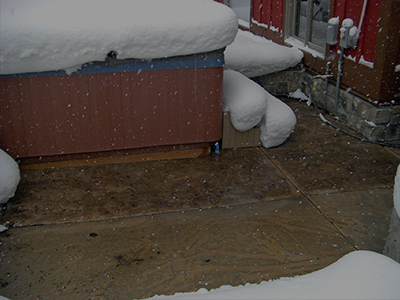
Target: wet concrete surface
<point x="133" y="230"/>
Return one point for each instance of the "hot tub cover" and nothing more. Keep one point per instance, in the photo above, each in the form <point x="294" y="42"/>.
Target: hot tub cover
<point x="45" y="35"/>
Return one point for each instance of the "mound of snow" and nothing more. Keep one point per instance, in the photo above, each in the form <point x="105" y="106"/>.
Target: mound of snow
<point x="9" y="177"/>
<point x="396" y="192"/>
<point x="299" y="94"/>
<point x="244" y="99"/>
<point x="278" y="123"/>
<point x="45" y="35"/>
<point x="254" y="56"/>
<point x="357" y="275"/>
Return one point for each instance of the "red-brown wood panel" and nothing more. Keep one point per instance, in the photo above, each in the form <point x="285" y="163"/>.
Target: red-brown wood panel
<point x="53" y="115"/>
<point x="59" y="91"/>
<point x="172" y="107"/>
<point x="11" y="117"/>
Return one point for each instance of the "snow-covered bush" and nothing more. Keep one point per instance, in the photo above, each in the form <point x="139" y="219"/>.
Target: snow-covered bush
<point x="9" y="177"/>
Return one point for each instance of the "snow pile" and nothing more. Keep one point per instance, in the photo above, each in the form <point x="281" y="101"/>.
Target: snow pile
<point x="251" y="105"/>
<point x="244" y="99"/>
<point x="278" y="123"/>
<point x="357" y="275"/>
<point x="392" y="244"/>
<point x="45" y="35"/>
<point x="9" y="177"/>
<point x="254" y="56"/>
<point x="299" y="94"/>
<point x="396" y="192"/>
<point x="248" y="103"/>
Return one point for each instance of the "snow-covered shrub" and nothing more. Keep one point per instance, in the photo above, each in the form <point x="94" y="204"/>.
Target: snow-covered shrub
<point x="9" y="177"/>
<point x="244" y="99"/>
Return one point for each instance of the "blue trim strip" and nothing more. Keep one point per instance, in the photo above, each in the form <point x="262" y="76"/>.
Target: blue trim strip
<point x="205" y="60"/>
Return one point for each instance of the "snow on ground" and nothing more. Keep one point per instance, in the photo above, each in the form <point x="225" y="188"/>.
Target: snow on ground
<point x="299" y="94"/>
<point x="357" y="275"/>
<point x="253" y="55"/>
<point x="396" y="192"/>
<point x="45" y="35"/>
<point x="9" y="177"/>
<point x="244" y="99"/>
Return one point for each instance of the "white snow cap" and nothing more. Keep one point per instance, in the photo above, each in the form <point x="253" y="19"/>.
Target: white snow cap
<point x="396" y="192"/>
<point x="45" y="35"/>
<point x="278" y="123"/>
<point x="334" y="21"/>
<point x="254" y="56"/>
<point x="353" y="31"/>
<point x="348" y="22"/>
<point x="357" y="275"/>
<point x="9" y="177"/>
<point x="244" y="99"/>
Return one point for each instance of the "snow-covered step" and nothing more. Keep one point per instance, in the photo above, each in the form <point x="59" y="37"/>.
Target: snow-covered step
<point x="9" y="177"/>
<point x="244" y="99"/>
<point x="232" y="138"/>
<point x="250" y="106"/>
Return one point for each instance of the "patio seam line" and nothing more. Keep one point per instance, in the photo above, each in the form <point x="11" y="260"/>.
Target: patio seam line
<point x="333" y="192"/>
<point x="309" y="199"/>
<point x="226" y="206"/>
<point x="389" y="150"/>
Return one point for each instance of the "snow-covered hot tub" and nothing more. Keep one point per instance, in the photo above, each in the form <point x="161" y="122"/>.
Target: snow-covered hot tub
<point x="110" y="76"/>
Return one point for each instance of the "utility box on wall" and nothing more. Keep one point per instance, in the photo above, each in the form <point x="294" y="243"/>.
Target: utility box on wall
<point x="332" y="31"/>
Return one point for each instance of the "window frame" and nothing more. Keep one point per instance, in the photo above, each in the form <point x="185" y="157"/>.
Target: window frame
<point x="290" y="25"/>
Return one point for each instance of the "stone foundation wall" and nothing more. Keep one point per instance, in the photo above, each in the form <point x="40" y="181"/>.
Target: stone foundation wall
<point x="282" y="83"/>
<point x="373" y="122"/>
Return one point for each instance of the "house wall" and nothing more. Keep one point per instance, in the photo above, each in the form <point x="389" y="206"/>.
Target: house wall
<point x="379" y="44"/>
<point x="368" y="99"/>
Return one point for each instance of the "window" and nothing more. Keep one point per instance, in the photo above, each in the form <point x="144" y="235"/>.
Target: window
<point x="241" y="8"/>
<point x="307" y="20"/>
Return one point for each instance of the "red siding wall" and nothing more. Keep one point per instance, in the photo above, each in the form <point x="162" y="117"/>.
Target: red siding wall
<point x="269" y="12"/>
<point x="379" y="43"/>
